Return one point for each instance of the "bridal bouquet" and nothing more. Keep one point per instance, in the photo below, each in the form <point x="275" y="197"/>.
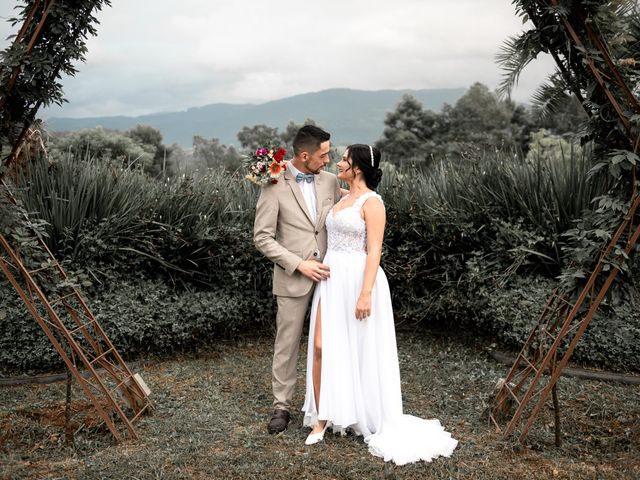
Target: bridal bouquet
<point x="265" y="165"/>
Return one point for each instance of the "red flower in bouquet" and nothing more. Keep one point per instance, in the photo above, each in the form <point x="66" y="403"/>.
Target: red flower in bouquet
<point x="279" y="155"/>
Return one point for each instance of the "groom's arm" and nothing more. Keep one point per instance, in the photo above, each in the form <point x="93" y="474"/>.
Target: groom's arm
<point x="264" y="232"/>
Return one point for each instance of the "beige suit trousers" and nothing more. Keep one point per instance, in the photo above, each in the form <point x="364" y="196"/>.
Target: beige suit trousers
<point x="289" y="322"/>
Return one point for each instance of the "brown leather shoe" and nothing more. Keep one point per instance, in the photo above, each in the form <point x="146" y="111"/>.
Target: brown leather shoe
<point x="279" y="421"/>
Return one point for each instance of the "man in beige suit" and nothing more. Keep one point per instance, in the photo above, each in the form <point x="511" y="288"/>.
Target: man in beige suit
<point x="289" y="230"/>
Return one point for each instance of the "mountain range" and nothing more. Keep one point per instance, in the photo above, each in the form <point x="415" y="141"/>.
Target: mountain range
<point x="350" y="115"/>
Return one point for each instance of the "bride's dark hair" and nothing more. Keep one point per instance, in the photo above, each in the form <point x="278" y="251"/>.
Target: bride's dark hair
<point x="360" y="156"/>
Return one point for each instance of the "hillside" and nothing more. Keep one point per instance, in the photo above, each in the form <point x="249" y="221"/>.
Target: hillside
<point x="350" y="115"/>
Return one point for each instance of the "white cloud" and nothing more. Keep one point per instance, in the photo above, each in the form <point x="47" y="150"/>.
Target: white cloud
<point x="170" y="55"/>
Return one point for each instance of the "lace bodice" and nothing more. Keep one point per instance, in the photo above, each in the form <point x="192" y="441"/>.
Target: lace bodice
<point x="346" y="229"/>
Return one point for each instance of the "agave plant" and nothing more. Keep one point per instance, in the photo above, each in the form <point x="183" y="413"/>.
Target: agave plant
<point x="95" y="209"/>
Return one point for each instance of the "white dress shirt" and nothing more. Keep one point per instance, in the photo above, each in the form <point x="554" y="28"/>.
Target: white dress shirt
<point x="308" y="192"/>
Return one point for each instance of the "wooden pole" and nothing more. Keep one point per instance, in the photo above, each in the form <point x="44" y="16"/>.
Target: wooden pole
<point x="68" y="430"/>
<point x="556" y="414"/>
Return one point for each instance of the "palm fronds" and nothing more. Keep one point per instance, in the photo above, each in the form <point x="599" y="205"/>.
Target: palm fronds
<point x="550" y="96"/>
<point x="514" y="55"/>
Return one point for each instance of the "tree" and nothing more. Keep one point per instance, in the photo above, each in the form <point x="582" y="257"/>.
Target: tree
<point x="213" y="154"/>
<point x="257" y="136"/>
<point x="568" y="118"/>
<point x="478" y="117"/>
<point x="105" y="145"/>
<point x="151" y="139"/>
<point x="479" y="120"/>
<point x="41" y="54"/>
<point x="146" y="135"/>
<point x="617" y="21"/>
<point x="179" y="160"/>
<point x="410" y="131"/>
<point x="610" y="36"/>
<point x="479" y="110"/>
<point x="232" y="159"/>
<point x="522" y="126"/>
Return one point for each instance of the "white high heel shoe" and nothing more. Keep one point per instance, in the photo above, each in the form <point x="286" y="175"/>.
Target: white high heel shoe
<point x="314" y="438"/>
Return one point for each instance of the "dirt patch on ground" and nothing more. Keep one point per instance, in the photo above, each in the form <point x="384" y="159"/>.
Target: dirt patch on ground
<point x="82" y="414"/>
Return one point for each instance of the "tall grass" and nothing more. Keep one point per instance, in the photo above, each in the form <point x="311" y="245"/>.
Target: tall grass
<point x="96" y="209"/>
<point x="544" y="193"/>
<point x="96" y="206"/>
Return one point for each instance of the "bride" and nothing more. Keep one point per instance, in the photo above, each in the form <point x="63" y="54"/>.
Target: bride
<point x="353" y="377"/>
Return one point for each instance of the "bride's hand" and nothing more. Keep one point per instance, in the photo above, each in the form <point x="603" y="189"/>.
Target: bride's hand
<point x="363" y="307"/>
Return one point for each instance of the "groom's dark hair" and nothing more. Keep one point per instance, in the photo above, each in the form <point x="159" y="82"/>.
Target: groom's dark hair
<point x="308" y="139"/>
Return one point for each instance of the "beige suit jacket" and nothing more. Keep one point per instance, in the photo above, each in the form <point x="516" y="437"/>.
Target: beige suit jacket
<point x="284" y="232"/>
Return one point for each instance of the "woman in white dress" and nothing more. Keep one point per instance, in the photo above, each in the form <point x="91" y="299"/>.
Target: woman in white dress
<point x="353" y="377"/>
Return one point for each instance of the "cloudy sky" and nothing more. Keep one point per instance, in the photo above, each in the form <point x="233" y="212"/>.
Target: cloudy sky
<point x="170" y="55"/>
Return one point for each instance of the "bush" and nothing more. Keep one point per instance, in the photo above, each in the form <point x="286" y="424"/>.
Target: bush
<point x="23" y="345"/>
<point x="508" y="314"/>
<point x="141" y="317"/>
<point x="173" y="264"/>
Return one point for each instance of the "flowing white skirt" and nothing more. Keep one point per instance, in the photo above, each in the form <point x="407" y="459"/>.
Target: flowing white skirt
<point x="360" y="379"/>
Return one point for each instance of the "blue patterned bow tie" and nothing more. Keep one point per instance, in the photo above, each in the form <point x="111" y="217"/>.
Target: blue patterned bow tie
<point x="307" y="177"/>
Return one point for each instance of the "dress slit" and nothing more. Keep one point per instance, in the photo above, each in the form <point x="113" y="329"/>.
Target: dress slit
<point x="318" y="316"/>
<point x="311" y="418"/>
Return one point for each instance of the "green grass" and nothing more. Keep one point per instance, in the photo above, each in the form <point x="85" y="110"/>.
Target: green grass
<point x="212" y="409"/>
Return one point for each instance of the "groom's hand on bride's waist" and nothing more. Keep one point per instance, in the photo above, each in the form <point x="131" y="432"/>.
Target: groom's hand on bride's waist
<point x="314" y="270"/>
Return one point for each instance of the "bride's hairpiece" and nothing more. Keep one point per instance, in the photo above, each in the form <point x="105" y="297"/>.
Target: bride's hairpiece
<point x="371" y="150"/>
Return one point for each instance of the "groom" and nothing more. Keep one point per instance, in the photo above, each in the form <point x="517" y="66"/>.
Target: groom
<point x="289" y="230"/>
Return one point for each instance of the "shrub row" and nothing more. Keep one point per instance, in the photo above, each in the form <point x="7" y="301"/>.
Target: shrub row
<point x="150" y="317"/>
<point x="453" y="234"/>
<point x="141" y="317"/>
